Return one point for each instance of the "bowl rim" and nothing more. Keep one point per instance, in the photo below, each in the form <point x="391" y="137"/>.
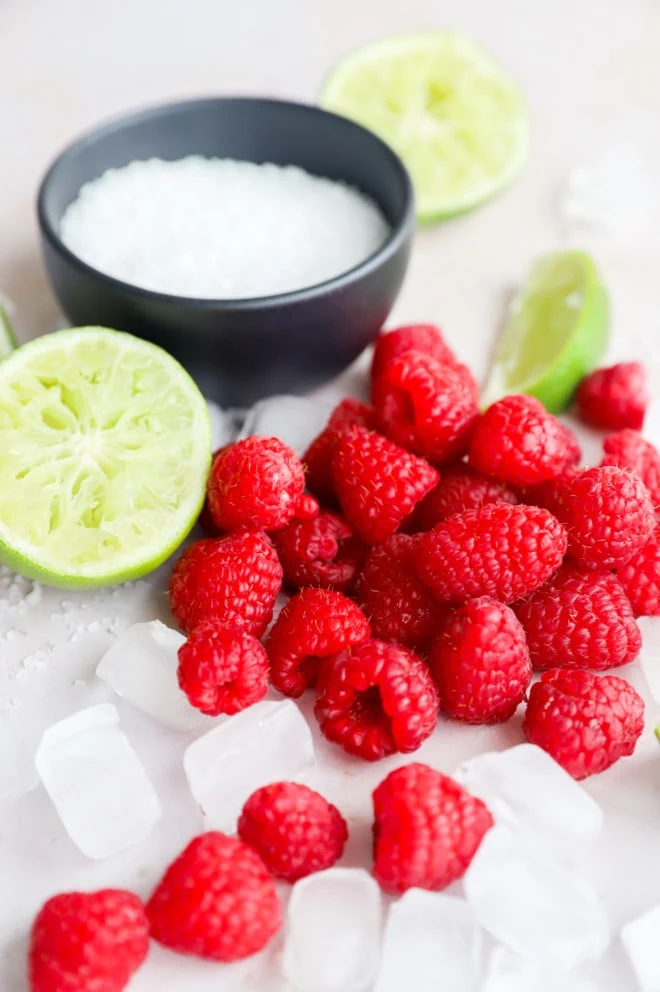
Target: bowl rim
<point x="399" y="232"/>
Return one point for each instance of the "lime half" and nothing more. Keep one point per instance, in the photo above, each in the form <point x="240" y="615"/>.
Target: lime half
<point x="8" y="341"/>
<point x="456" y="118"/>
<point x="104" y="452"/>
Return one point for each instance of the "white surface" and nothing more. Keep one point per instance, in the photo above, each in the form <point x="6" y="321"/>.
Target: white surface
<point x="640" y="938"/>
<point x="649" y="656"/>
<point x="296" y="420"/>
<point x="592" y="76"/>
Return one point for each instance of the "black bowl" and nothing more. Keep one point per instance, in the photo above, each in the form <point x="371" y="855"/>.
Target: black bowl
<point x="239" y="350"/>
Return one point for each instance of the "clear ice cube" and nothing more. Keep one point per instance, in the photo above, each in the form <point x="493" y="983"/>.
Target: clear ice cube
<point x="640" y="940"/>
<point x="649" y="656"/>
<point x="141" y="667"/>
<point x="509" y="972"/>
<point x="18" y="775"/>
<point x="333" y="932"/>
<point x="537" y="907"/>
<point x="528" y="791"/>
<point x="222" y="426"/>
<point x="295" y="420"/>
<point x="267" y="742"/>
<point x="96" y="782"/>
<point x="432" y="941"/>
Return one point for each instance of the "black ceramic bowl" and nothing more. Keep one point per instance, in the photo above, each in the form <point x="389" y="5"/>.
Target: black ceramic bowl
<point x="239" y="350"/>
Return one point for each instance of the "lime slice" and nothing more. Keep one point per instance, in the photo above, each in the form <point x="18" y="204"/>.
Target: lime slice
<point x="556" y="332"/>
<point x="8" y="341"/>
<point x="456" y="118"/>
<point x="105" y="447"/>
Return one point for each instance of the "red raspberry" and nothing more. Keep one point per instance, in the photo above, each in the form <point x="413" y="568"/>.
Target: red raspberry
<point x="499" y="550"/>
<point x="460" y="488"/>
<point x="608" y="515"/>
<point x="222" y="669"/>
<point x="640" y="578"/>
<point x="480" y="662"/>
<point x="425" y="406"/>
<point x="426" y="338"/>
<point x="579" y="619"/>
<point x="205" y="520"/>
<point x="549" y="494"/>
<point x="396" y="601"/>
<point x="427" y="829"/>
<point x="87" y="942"/>
<point x="294" y="830"/>
<point x="630" y="450"/>
<point x="585" y="722"/>
<point x="235" y="580"/>
<point x="258" y="482"/>
<point x="378" y="483"/>
<point x="320" y="552"/>
<point x="376" y="699"/>
<point x="615" y="397"/>
<point x="318" y="457"/>
<point x="518" y="441"/>
<point x="216" y="901"/>
<point x="314" y="624"/>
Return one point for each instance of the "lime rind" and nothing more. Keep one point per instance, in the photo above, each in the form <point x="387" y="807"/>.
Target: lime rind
<point x="8" y="342"/>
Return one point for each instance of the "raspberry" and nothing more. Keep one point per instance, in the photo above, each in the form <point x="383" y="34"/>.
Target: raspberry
<point x="608" y="515"/>
<point x="257" y="482"/>
<point x="630" y="450"/>
<point x="378" y="483"/>
<point x="320" y="552"/>
<point x="425" y="406"/>
<point x="579" y="619"/>
<point x="585" y="722"/>
<point x="235" y="580"/>
<point x="499" y="550"/>
<point x="314" y="624"/>
<point x="640" y="578"/>
<point x="205" y="520"/>
<point x="318" y="457"/>
<point x="87" y="942"/>
<point x="480" y="662"/>
<point x="216" y="900"/>
<point x="427" y="829"/>
<point x="294" y="830"/>
<point x="460" y="488"/>
<point x="549" y="494"/>
<point x="615" y="397"/>
<point x="518" y="441"/>
<point x="376" y="699"/>
<point x="222" y="669"/>
<point x="415" y="337"/>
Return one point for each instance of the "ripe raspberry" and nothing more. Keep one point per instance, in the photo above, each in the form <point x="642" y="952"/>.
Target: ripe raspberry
<point x="608" y="516"/>
<point x="427" y="829"/>
<point x="294" y="830"/>
<point x="499" y="550"/>
<point x="318" y="457"/>
<point x="425" y="406"/>
<point x="399" y="606"/>
<point x="216" y="900"/>
<point x="257" y="482"/>
<point x="518" y="441"/>
<point x="222" y="669"/>
<point x="585" y="722"/>
<point x="460" y="488"/>
<point x="630" y="450"/>
<point x="378" y="483"/>
<point x="320" y="552"/>
<point x="640" y="578"/>
<point x="480" y="662"/>
<point x="548" y="494"/>
<point x="615" y="397"/>
<point x="426" y="338"/>
<point x="87" y="942"/>
<point x="314" y="624"/>
<point x="579" y="619"/>
<point x="376" y="699"/>
<point x="235" y="579"/>
<point x="205" y="520"/>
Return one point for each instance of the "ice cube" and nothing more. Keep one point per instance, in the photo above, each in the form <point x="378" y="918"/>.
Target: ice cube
<point x="96" y="782"/>
<point x="222" y="426"/>
<point x="509" y="972"/>
<point x="649" y="657"/>
<point x="640" y="940"/>
<point x="537" y="907"/>
<point x="431" y="941"/>
<point x="528" y="791"/>
<point x="18" y="775"/>
<point x="267" y="742"/>
<point x="333" y="931"/>
<point x="141" y="667"/>
<point x="295" y="420"/>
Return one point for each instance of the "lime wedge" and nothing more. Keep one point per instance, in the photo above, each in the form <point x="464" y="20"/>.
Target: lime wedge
<point x="456" y="118"/>
<point x="105" y="447"/>
<point x="556" y="332"/>
<point x="8" y="341"/>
